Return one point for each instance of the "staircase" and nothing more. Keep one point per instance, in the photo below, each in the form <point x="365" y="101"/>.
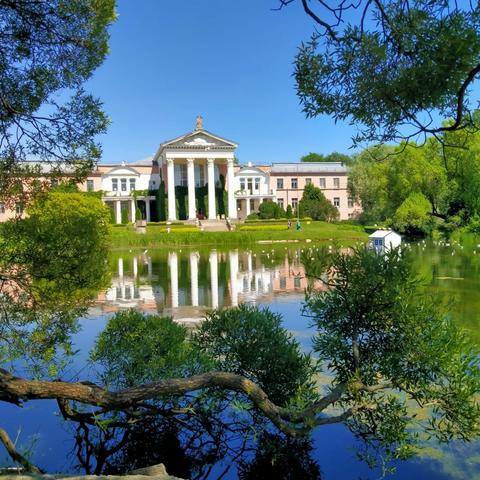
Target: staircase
<point x="214" y="226"/>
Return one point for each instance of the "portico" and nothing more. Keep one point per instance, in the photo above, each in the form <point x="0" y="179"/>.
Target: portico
<point x="199" y="159"/>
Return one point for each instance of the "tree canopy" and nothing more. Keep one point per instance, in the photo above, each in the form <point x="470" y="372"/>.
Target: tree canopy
<point x="49" y="49"/>
<point x="331" y="157"/>
<point x="395" y="69"/>
<point x="315" y="205"/>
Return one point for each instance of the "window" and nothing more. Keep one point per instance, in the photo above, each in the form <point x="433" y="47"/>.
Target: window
<point x="297" y="282"/>
<point x="132" y="184"/>
<point x="89" y="185"/>
<point x="239" y="205"/>
<point x="114" y="185"/>
<point x="322" y="183"/>
<point x="336" y="183"/>
<point x="350" y="202"/>
<point x="378" y="242"/>
<point x="183" y="175"/>
<point x="280" y="183"/>
<point x="2" y="208"/>
<point x="249" y="185"/>
<point x="280" y="202"/>
<point x="336" y="201"/>
<point x="294" y="182"/>
<point x="283" y="283"/>
<point x="350" y="215"/>
<point x="242" y="184"/>
<point x="308" y="181"/>
<point x="54" y="182"/>
<point x="18" y="208"/>
<point x="252" y="204"/>
<point x="123" y="184"/>
<point x="257" y="183"/>
<point x="294" y="203"/>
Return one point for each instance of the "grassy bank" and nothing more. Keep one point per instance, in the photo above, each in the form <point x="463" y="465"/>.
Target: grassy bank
<point x="157" y="236"/>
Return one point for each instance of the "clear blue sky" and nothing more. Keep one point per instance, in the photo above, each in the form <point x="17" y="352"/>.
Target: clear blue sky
<point x="228" y="60"/>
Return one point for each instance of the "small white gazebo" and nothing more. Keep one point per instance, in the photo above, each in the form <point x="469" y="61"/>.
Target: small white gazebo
<point x="384" y="240"/>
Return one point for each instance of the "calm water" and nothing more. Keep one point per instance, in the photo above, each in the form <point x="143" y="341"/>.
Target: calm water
<point x="187" y="283"/>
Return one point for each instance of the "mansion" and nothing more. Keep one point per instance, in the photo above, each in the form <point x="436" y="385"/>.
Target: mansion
<point x="196" y="176"/>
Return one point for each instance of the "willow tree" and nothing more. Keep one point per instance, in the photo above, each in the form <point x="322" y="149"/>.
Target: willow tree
<point x="394" y="68"/>
<point x="49" y="49"/>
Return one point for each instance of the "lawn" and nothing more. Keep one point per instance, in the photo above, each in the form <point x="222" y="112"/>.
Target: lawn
<point x="157" y="235"/>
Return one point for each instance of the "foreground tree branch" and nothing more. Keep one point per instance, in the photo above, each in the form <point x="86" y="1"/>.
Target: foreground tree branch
<point x="15" y="390"/>
<point x="15" y="455"/>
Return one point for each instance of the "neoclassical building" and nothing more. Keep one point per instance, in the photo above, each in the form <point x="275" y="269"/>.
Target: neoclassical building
<point x="196" y="176"/>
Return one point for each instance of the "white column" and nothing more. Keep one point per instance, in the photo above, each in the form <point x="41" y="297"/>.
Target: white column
<point x="132" y="209"/>
<point x="214" y="277"/>
<point x="118" y="212"/>
<point x="135" y="267"/>
<point x="147" y="209"/>
<point x="192" y="211"/>
<point x="212" y="213"/>
<point x="248" y="206"/>
<point x="232" y="207"/>
<point x="194" y="277"/>
<point x="233" y="277"/>
<point x="172" y="215"/>
<point x="173" y="267"/>
<point x="120" y="267"/>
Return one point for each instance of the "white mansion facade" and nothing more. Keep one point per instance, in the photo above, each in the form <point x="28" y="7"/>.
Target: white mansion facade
<point x="191" y="172"/>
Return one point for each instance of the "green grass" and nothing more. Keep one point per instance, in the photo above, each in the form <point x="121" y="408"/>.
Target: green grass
<point x="157" y="236"/>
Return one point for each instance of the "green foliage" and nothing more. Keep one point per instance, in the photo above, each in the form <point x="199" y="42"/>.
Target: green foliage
<point x="52" y="47"/>
<point x="270" y="209"/>
<point x="124" y="210"/>
<point x="136" y="348"/>
<point x="314" y="204"/>
<point x="252" y="342"/>
<point x="387" y="66"/>
<point x="289" y="212"/>
<point x="161" y="202"/>
<point x="331" y="157"/>
<point x="377" y="327"/>
<point x="253" y="216"/>
<point x="54" y="264"/>
<point x="412" y="217"/>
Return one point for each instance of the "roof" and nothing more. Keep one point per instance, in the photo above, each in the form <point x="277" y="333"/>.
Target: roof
<point x="171" y="142"/>
<point x="144" y="162"/>
<point x="382" y="233"/>
<point x="309" y="167"/>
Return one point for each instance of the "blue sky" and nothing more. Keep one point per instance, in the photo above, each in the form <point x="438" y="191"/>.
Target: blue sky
<point x="228" y="60"/>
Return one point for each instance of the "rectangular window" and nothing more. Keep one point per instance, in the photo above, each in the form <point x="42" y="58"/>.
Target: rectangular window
<point x="239" y="205"/>
<point x="132" y="184"/>
<point x="280" y="183"/>
<point x="252" y="204"/>
<point x="378" y="242"/>
<point x="336" y="201"/>
<point x="280" y="202"/>
<point x="18" y="208"/>
<point x="123" y="184"/>
<point x="308" y="181"/>
<point x="283" y="283"/>
<point x="2" y="208"/>
<point x="350" y="215"/>
<point x="114" y="185"/>
<point x="322" y="183"/>
<point x="89" y="185"/>
<point x="249" y="185"/>
<point x="350" y="202"/>
<point x="294" y="183"/>
<point x="183" y="175"/>
<point x="257" y="184"/>
<point x="242" y="184"/>
<point x="336" y="183"/>
<point x="294" y="203"/>
<point x="297" y="282"/>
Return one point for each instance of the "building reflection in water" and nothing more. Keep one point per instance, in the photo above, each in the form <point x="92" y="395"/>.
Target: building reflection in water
<point x="187" y="284"/>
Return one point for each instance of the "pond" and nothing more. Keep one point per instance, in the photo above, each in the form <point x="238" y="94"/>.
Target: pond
<point x="185" y="284"/>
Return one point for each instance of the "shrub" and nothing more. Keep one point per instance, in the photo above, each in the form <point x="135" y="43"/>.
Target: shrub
<point x="289" y="211"/>
<point x="315" y="205"/>
<point x="253" y="216"/>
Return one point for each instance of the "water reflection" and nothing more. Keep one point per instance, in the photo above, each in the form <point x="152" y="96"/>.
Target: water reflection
<point x="186" y="284"/>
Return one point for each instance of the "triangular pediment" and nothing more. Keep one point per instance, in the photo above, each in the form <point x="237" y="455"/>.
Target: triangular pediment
<point x="199" y="140"/>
